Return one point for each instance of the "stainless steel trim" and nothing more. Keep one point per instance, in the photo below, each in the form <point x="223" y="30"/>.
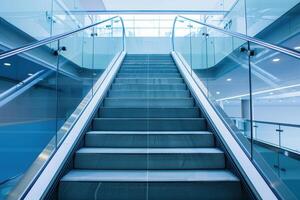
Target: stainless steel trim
<point x="34" y="45"/>
<point x="271" y="123"/>
<point x="274" y="47"/>
<point x="250" y="172"/>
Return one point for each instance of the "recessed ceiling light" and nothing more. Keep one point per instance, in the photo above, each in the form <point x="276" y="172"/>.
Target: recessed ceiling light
<point x="297" y="48"/>
<point x="7" y="64"/>
<point x="276" y="60"/>
<point x="271" y="93"/>
<point x="229" y="79"/>
<point x="30" y="74"/>
<point x="218" y="92"/>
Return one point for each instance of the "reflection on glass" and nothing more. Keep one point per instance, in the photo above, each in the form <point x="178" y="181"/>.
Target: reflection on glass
<point x="43" y="93"/>
<point x="28" y="113"/>
<point x="256" y="91"/>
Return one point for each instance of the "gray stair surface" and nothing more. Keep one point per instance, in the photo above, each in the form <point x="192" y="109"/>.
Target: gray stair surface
<point x="148" y="184"/>
<point x="149" y="141"/>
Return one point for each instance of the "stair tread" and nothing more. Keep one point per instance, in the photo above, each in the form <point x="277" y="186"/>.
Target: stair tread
<point x="150" y="175"/>
<point x="149" y="84"/>
<point x="164" y="78"/>
<point x="151" y="150"/>
<point x="152" y="98"/>
<point x="151" y="132"/>
<point x="117" y="90"/>
<point x="157" y="119"/>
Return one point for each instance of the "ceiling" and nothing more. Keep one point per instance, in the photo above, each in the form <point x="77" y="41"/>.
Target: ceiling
<point x="150" y="5"/>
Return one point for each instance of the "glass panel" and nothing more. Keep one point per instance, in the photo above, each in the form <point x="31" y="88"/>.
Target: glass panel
<point x="226" y="78"/>
<point x="289" y="135"/>
<point x="232" y="75"/>
<point x="235" y="19"/>
<point x="261" y="14"/>
<point x="183" y="40"/>
<point x="43" y="93"/>
<point x="222" y="64"/>
<point x="275" y="82"/>
<point x="266" y="133"/>
<point x="65" y="21"/>
<point x="75" y="77"/>
<point x="289" y="171"/>
<point x="108" y="43"/>
<point x="32" y="17"/>
<point x="28" y="114"/>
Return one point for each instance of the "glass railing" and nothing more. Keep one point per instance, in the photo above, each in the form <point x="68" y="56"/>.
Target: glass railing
<point x="42" y="19"/>
<point x="43" y="92"/>
<point x="251" y="17"/>
<point x="254" y="86"/>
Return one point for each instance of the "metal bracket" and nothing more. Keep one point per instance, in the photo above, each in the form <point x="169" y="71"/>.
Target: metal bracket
<point x="249" y="52"/>
<point x="56" y="52"/>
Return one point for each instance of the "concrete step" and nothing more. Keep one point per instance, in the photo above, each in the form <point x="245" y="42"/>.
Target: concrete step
<point x="180" y="86"/>
<point x="149" y="112"/>
<point x="149" y="94"/>
<point x="146" y="62"/>
<point x="152" y="139"/>
<point x="151" y="70"/>
<point x="148" y="103"/>
<point x="149" y="80"/>
<point x="148" y="75"/>
<point x="149" y="158"/>
<point x="148" y="57"/>
<point x="150" y="184"/>
<point x="150" y="124"/>
<point x="149" y="67"/>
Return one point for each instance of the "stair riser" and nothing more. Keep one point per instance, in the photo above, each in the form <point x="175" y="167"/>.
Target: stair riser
<point x="148" y="81"/>
<point x="148" y="71"/>
<point x="164" y="75"/>
<point x="151" y="57"/>
<point x="139" y="57"/>
<point x="149" y="141"/>
<point x="146" y="67"/>
<point x="149" y="67"/>
<point x="151" y="103"/>
<point x="149" y="125"/>
<point x="206" y="190"/>
<point x="149" y="94"/>
<point x="148" y="87"/>
<point x="113" y="161"/>
<point x="145" y="62"/>
<point x="149" y="113"/>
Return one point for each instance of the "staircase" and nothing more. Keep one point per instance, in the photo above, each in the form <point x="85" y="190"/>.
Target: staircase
<point x="149" y="141"/>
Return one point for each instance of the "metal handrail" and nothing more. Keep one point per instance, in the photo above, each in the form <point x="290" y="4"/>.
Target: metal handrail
<point x="268" y="122"/>
<point x="49" y="40"/>
<point x="274" y="47"/>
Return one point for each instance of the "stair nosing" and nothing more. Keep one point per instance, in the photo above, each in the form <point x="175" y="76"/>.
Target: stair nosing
<point x="150" y="176"/>
<point x="149" y="133"/>
<point x="149" y="150"/>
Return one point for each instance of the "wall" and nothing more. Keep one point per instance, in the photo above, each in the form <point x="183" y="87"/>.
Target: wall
<point x="148" y="45"/>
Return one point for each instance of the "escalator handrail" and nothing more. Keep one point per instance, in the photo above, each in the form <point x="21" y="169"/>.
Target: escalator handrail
<point x="55" y="38"/>
<point x="268" y="45"/>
